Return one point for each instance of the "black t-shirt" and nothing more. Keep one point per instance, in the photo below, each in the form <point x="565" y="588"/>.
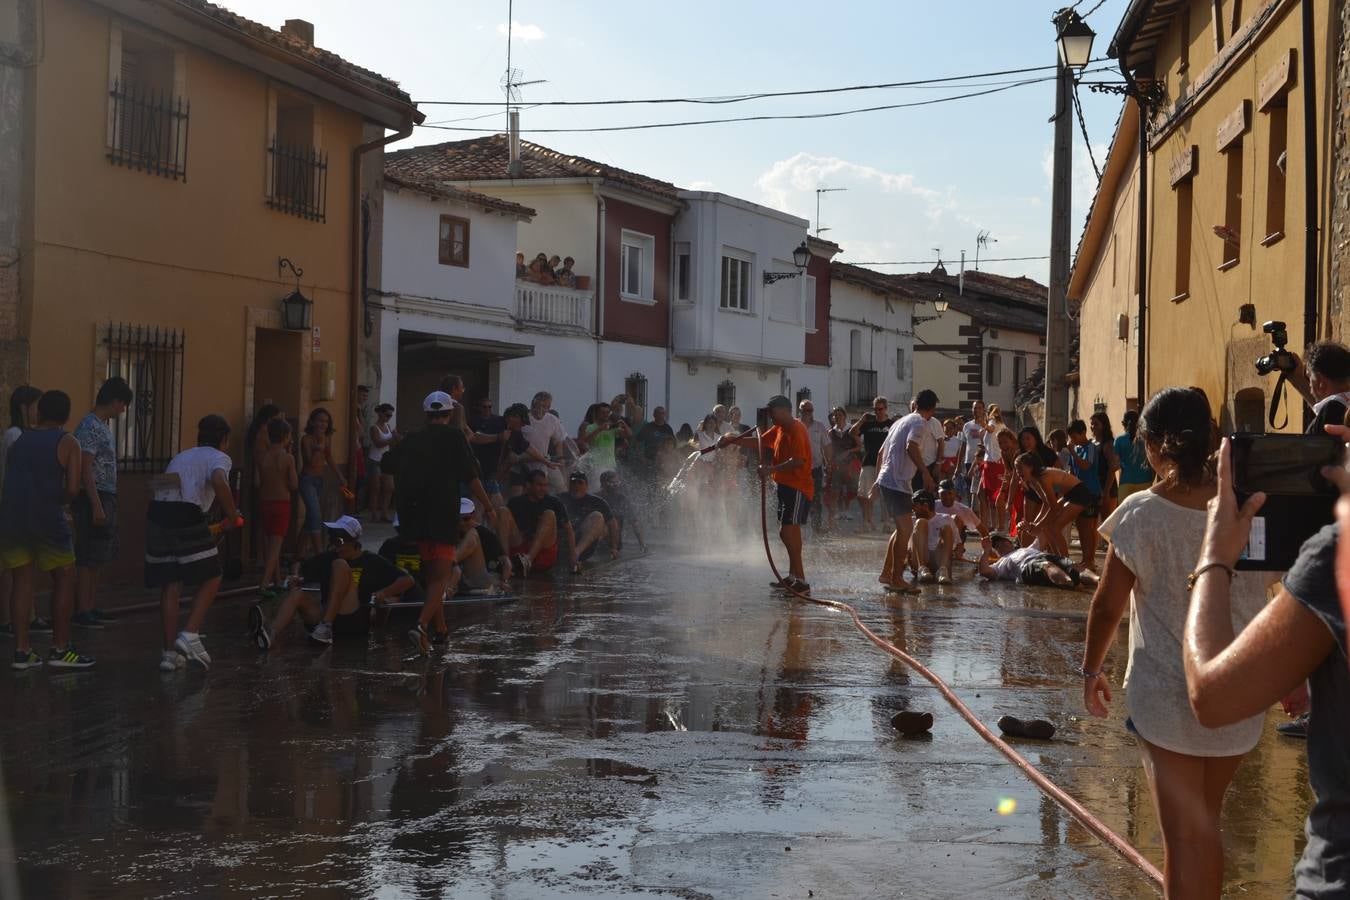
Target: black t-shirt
<point x="370" y="573"/>
<point x="652" y="437"/>
<point x="404" y="554"/>
<point x="489" y="456"/>
<point x="873" y="435"/>
<point x="428" y="467"/>
<point x="492" y="546"/>
<point x="579" y="508"/>
<point x="1324" y="870"/>
<point x="1331" y="414"/>
<point x="618" y="504"/>
<point x="526" y="512"/>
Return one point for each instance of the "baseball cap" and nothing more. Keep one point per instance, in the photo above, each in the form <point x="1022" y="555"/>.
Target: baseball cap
<point x="578" y="476"/>
<point x="946" y="484"/>
<point x="438" y="401"/>
<point x="923" y="497"/>
<point x="466" y="506"/>
<point x="348" y="525"/>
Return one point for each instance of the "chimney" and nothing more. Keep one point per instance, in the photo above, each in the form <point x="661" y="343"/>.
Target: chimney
<point x="300" y="29"/>
<point x="513" y="166"/>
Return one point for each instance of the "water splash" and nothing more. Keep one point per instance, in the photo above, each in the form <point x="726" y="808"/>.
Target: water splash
<point x="681" y="480"/>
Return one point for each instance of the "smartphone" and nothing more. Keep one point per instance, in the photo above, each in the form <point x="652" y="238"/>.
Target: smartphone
<point x="1287" y="468"/>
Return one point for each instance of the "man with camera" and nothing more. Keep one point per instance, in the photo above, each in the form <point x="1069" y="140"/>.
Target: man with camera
<point x="1323" y="378"/>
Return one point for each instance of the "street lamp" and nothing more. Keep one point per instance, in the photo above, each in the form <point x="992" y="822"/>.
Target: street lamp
<point x="800" y="257"/>
<point x="296" y="308"/>
<point x="939" y="303"/>
<point x="1075" y="39"/>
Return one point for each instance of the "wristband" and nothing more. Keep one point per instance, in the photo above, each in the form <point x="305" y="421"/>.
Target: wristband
<point x="1194" y="577"/>
<point x="1086" y="674"/>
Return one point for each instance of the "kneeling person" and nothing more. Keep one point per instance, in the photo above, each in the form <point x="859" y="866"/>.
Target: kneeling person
<point x="933" y="540"/>
<point x="483" y="563"/>
<point x="1003" y="560"/>
<point x="591" y="518"/>
<point x="346" y="575"/>
<point x="532" y="524"/>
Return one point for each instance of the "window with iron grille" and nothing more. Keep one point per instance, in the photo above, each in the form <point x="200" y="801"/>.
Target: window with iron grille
<point x="297" y="168"/>
<point x="150" y="358"/>
<point x="726" y="393"/>
<point x="148" y="119"/>
<point x="635" y="386"/>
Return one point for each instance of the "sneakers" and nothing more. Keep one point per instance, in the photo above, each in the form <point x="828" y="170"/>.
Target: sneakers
<point x="322" y="633"/>
<point x="40" y="626"/>
<point x="421" y="640"/>
<point x="1036" y="729"/>
<point x="25" y="659"/>
<point x="944" y="578"/>
<point x="1294" y="728"/>
<point x="926" y="576"/>
<point x="190" y="645"/>
<point x="910" y="723"/>
<point x="69" y="658"/>
<point x="88" y="619"/>
<point x="257" y="626"/>
<point x="171" y="661"/>
<point x="521" y="562"/>
<point x="440" y="638"/>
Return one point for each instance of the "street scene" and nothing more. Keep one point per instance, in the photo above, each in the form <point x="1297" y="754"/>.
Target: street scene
<point x="566" y="450"/>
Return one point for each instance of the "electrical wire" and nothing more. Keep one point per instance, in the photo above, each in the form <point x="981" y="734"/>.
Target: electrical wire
<point x="1096" y="7"/>
<point x="933" y="262"/>
<point x="1082" y="125"/>
<point x="741" y="98"/>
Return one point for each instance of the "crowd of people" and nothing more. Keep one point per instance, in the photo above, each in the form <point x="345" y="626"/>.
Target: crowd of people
<point x="545" y="269"/>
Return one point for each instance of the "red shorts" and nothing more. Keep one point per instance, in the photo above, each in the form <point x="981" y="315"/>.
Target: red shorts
<point x="991" y="479"/>
<point x="544" y="561"/>
<point x="432" y="551"/>
<point x="276" y="516"/>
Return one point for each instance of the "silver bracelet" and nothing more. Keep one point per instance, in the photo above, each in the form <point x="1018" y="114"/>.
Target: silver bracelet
<point x="1086" y="674"/>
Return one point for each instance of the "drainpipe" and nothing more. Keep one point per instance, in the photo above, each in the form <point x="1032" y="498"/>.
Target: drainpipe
<point x="600" y="298"/>
<point x="672" y="272"/>
<point x="358" y="298"/>
<point x="1310" y="279"/>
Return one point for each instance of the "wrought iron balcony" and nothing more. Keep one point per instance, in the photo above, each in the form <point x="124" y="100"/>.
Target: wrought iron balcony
<point x="149" y="131"/>
<point x="298" y="181"/>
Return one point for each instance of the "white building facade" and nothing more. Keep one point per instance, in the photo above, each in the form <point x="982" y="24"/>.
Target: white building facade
<point x="871" y="340"/>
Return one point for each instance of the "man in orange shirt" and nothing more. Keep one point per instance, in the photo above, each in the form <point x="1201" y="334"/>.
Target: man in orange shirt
<point x="791" y="469"/>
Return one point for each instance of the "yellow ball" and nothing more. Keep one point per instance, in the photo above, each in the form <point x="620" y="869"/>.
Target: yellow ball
<point x="1007" y="806"/>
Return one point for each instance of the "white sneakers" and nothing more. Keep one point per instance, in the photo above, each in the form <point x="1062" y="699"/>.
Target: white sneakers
<point x="190" y="645"/>
<point x="171" y="661"/>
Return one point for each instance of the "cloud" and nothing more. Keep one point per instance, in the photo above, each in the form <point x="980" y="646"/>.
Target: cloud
<point x="788" y="181"/>
<point x="522" y="32"/>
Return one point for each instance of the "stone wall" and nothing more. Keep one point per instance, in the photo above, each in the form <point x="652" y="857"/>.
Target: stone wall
<point x="17" y="32"/>
<point x="1338" y="245"/>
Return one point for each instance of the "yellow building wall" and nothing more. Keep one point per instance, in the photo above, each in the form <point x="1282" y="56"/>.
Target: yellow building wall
<point x="1196" y="339"/>
<point x="115" y="244"/>
<point x="940" y="370"/>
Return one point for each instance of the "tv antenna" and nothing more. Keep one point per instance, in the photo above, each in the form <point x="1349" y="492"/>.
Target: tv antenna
<point x="512" y="79"/>
<point x="819" y="191"/>
<point x="982" y="240"/>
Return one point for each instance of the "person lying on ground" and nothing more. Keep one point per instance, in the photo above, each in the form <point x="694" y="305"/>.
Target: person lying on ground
<point x="1003" y="560"/>
<point x="347" y="576"/>
<point x="1062" y="500"/>
<point x="611" y="489"/>
<point x="484" y="566"/>
<point x="960" y="514"/>
<point x="591" y="518"/>
<point x="532" y="524"/>
<point x="1300" y="635"/>
<point x="930" y="546"/>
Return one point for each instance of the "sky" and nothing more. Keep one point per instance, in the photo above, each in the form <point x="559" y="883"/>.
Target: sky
<point x="918" y="180"/>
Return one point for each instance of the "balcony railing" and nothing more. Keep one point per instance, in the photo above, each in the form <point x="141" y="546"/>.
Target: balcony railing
<point x="862" y="386"/>
<point x="299" y="181"/>
<point x="566" y="308"/>
<point x="150" y="131"/>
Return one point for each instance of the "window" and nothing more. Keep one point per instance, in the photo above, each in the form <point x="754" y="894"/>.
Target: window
<point x="1019" y="370"/>
<point x="151" y="361"/>
<point x="1232" y="215"/>
<point x="993" y="370"/>
<point x="803" y="394"/>
<point x="900" y="363"/>
<point x="454" y="241"/>
<point x="810" y="288"/>
<point x="636" y="259"/>
<point x="993" y="333"/>
<point x="735" y="283"/>
<point x="297" y="168"/>
<point x="635" y="386"/>
<point x="683" y="273"/>
<point x="148" y="115"/>
<point x="726" y="393"/>
<point x="1276" y="162"/>
<point x="1182" y="276"/>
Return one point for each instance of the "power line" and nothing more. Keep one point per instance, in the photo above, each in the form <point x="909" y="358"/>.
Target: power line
<point x="740" y="98"/>
<point x="1082" y="125"/>
<point x="763" y="118"/>
<point x="933" y="262"/>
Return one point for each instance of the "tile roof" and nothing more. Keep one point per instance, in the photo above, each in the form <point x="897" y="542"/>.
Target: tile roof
<point x="876" y="281"/>
<point x="471" y="198"/>
<point x="486" y="159"/>
<point x="994" y="300"/>
<point x="294" y="45"/>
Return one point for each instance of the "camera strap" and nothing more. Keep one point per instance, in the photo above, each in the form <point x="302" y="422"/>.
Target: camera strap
<point x="1275" y="402"/>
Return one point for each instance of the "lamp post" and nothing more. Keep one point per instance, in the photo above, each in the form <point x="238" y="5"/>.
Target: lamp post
<point x="800" y="257"/>
<point x="1073" y="50"/>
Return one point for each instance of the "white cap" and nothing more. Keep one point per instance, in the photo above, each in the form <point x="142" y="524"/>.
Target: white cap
<point x="438" y="401"/>
<point x="466" y="506"/>
<point x="347" y="524"/>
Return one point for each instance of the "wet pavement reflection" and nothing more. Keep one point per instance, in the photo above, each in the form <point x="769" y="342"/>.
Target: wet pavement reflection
<point x="663" y="726"/>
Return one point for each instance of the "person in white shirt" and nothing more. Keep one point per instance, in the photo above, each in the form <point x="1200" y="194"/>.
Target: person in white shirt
<point x="1003" y="560"/>
<point x="541" y="431"/>
<point x="934" y="538"/>
<point x="819" y="437"/>
<point x="900" y="458"/>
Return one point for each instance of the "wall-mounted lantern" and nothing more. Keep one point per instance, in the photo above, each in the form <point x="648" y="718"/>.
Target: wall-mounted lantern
<point x="296" y="308"/>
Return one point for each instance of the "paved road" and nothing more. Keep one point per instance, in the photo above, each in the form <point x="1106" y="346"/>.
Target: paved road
<point x="664" y="727"/>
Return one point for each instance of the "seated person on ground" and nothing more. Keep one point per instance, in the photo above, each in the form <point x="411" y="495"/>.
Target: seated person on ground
<point x="932" y="541"/>
<point x="403" y="553"/>
<point x="590" y="516"/>
<point x="1003" y="560"/>
<point x="611" y="489"/>
<point x="532" y="524"/>
<point x="483" y="563"/>
<point x="960" y="514"/>
<point x="346" y="576"/>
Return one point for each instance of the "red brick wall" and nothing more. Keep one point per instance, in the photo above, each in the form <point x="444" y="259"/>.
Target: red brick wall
<point x="818" y="344"/>
<point x="637" y="323"/>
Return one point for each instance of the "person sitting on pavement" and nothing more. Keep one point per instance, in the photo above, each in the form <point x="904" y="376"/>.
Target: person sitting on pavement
<point x="346" y="576"/>
<point x="591" y="519"/>
<point x="960" y="514"/>
<point x="1003" y="560"/>
<point x="611" y="490"/>
<point x="531" y="526"/>
<point x="930" y="546"/>
<point x="483" y="564"/>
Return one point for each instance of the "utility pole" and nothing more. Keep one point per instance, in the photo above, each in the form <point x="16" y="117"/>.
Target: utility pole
<point x="1056" y="413"/>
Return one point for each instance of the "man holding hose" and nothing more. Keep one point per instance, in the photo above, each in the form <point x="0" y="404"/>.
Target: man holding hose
<point x="791" y="470"/>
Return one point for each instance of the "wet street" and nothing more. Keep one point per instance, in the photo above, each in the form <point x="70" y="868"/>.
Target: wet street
<point x="662" y="727"/>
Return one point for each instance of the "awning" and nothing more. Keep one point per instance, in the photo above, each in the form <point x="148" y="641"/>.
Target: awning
<point x="414" y="343"/>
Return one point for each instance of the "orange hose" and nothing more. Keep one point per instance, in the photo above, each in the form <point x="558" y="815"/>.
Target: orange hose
<point x="1048" y="787"/>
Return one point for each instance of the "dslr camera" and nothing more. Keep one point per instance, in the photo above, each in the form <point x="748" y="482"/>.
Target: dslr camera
<point x="1278" y="359"/>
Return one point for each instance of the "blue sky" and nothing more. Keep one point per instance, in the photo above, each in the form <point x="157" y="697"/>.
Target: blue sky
<point x="917" y="179"/>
